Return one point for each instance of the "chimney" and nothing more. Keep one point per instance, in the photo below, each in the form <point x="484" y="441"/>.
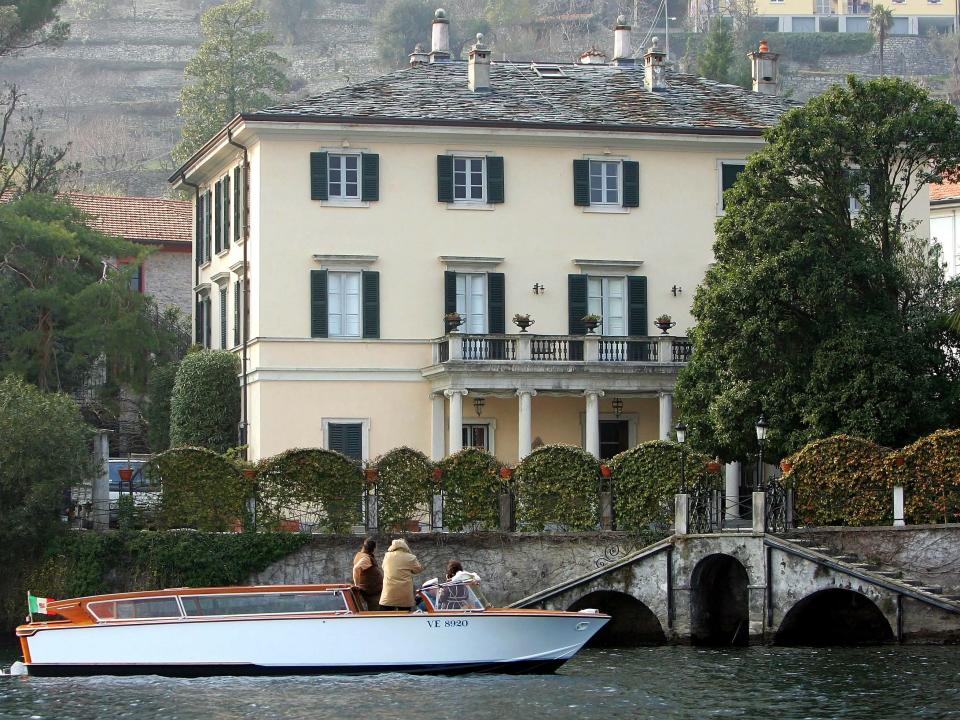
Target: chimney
<point x="419" y="56"/>
<point x="440" y="45"/>
<point x="764" y="67"/>
<point x="653" y="68"/>
<point x="593" y="57"/>
<point x="622" y="52"/>
<point x="478" y="67"/>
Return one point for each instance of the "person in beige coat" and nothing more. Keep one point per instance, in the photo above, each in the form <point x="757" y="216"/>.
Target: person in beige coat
<point x="399" y="567"/>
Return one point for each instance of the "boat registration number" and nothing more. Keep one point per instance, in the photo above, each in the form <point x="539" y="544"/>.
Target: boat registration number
<point x="452" y="623"/>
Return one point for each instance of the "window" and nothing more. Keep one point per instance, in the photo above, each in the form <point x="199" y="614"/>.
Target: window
<point x="476" y="435"/>
<point x="343" y="177"/>
<point x="606" y="297"/>
<point x="135" y="608"/>
<point x="469" y="179"/>
<point x="604" y="182"/>
<point x="263" y="603"/>
<point x="346" y="438"/>
<point x="472" y="302"/>
<point x="202" y="321"/>
<point x="548" y="71"/>
<point x="729" y="171"/>
<point x="854" y="201"/>
<point x="343" y="304"/>
<point x="223" y="318"/>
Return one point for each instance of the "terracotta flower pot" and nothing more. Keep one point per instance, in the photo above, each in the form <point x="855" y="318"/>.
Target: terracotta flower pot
<point x="505" y="472"/>
<point x="126" y="474"/>
<point x="786" y="466"/>
<point x="605" y="471"/>
<point x="713" y="466"/>
<point x="437" y="474"/>
<point x="899" y="460"/>
<point x="249" y="472"/>
<point x="371" y="474"/>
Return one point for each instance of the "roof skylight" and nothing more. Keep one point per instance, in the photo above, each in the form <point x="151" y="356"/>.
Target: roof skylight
<point x="548" y="71"/>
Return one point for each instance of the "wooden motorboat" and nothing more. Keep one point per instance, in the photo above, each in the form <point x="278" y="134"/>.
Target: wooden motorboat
<point x="296" y="629"/>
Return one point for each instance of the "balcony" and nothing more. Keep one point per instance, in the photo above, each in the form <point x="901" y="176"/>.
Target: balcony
<point x="563" y="349"/>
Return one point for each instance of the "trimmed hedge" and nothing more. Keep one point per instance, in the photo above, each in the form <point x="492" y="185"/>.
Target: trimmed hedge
<point x="471" y="488"/>
<point x="405" y="484"/>
<point x="205" y="404"/>
<point x="313" y="486"/>
<point x="931" y="478"/>
<point x="842" y="480"/>
<point x="159" y="392"/>
<point x="201" y="489"/>
<point x="558" y="486"/>
<point x="645" y="479"/>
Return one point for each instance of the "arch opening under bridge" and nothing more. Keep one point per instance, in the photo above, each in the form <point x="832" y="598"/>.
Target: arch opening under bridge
<point x="719" y="602"/>
<point x="633" y="624"/>
<point x="834" y="616"/>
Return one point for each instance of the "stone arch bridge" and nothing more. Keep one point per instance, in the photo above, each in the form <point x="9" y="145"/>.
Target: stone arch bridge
<point x="740" y="588"/>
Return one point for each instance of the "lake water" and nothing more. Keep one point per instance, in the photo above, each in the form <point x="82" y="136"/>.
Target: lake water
<point x="663" y="682"/>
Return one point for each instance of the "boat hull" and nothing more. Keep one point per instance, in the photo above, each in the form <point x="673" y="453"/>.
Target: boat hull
<point x="344" y="644"/>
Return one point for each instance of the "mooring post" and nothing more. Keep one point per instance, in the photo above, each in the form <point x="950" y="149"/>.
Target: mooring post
<point x="759" y="512"/>
<point x="606" y="511"/>
<point x="681" y="514"/>
<point x="372" y="511"/>
<point x="506" y="512"/>
<point x="436" y="515"/>
<point x="898" y="506"/>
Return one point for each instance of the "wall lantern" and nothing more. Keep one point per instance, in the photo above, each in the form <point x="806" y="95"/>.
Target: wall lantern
<point x="478" y="403"/>
<point x="617" y="406"/>
<point x="539" y="289"/>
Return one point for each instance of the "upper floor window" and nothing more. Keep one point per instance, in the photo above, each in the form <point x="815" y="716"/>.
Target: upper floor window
<point x="606" y="183"/>
<point x="607" y="298"/>
<point x="344" y="304"/>
<point x="344" y="177"/>
<point x="729" y="172"/>
<point x="343" y="308"/>
<point x="472" y="301"/>
<point x="469" y="179"/>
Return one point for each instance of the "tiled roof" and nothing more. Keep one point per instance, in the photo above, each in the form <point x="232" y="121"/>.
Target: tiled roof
<point x="589" y="97"/>
<point x="140" y="219"/>
<point x="945" y="191"/>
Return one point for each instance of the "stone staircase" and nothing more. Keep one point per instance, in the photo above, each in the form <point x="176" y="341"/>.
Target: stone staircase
<point x="890" y="573"/>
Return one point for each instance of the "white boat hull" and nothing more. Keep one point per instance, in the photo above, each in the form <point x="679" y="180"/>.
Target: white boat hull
<point x="419" y="643"/>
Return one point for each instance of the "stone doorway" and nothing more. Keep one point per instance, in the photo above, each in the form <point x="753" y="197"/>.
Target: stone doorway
<point x="834" y="617"/>
<point x="719" y="602"/>
<point x="632" y="623"/>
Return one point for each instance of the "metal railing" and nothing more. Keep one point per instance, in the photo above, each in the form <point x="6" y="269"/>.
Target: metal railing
<point x="563" y="348"/>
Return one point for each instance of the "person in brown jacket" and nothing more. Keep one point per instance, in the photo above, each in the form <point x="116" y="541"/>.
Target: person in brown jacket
<point x="367" y="575"/>
<point x="399" y="567"/>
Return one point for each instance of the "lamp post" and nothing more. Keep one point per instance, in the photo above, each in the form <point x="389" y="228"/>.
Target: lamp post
<point x="682" y="438"/>
<point x="762" y="429"/>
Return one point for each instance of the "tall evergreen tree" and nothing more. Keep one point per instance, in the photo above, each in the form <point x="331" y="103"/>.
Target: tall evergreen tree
<point x="28" y="23"/>
<point x="824" y="309"/>
<point x="234" y="71"/>
<point x="717" y="57"/>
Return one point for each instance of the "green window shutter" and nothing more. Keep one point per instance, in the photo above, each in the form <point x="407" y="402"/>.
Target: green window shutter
<point x="207" y="326"/>
<point x="208" y="225"/>
<point x="198" y="321"/>
<point x="581" y="182"/>
<point x="496" y="304"/>
<point x="370" y="169"/>
<point x="445" y="178"/>
<point x="449" y="295"/>
<point x="226" y="211"/>
<point x="346" y="438"/>
<point x="495" y="191"/>
<point x="236" y="312"/>
<point x="198" y="230"/>
<point x="318" y="303"/>
<point x="577" y="303"/>
<point x="237" y="201"/>
<point x="637" y="309"/>
<point x="318" y="176"/>
<point x="218" y="216"/>
<point x="370" y="292"/>
<point x="631" y="184"/>
<point x="223" y="318"/>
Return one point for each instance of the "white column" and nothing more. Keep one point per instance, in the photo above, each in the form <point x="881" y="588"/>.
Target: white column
<point x="100" y="495"/>
<point x="436" y="426"/>
<point x="732" y="491"/>
<point x="666" y="415"/>
<point x="525" y="422"/>
<point x="898" y="506"/>
<point x="593" y="421"/>
<point x="455" y="441"/>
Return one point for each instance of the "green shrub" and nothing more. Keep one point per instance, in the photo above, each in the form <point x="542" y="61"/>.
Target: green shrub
<point x="557" y="486"/>
<point x="646" y="478"/>
<point x="471" y="490"/>
<point x="404" y="485"/>
<point x="201" y="489"/>
<point x="930" y="475"/>
<point x="159" y="392"/>
<point x="315" y="487"/>
<point x="842" y="480"/>
<point x="205" y="405"/>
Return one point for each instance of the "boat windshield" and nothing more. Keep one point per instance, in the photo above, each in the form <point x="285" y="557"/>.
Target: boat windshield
<point x="455" y="596"/>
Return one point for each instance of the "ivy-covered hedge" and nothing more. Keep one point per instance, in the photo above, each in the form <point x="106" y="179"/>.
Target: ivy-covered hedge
<point x="201" y="489"/>
<point x="645" y="479"/>
<point x="159" y="391"/>
<point x="842" y="480"/>
<point x="405" y="485"/>
<point x="930" y="475"/>
<point x="205" y="404"/>
<point x="557" y="486"/>
<point x="471" y="487"/>
<point x="318" y="488"/>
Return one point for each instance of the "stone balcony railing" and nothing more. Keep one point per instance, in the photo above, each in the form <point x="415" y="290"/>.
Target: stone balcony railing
<point x="524" y="347"/>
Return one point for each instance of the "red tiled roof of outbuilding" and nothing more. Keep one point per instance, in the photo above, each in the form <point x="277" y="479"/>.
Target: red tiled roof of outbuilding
<point x="138" y="219"/>
<point x="945" y="191"/>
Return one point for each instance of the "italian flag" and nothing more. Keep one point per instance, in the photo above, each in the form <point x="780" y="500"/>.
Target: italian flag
<point x="38" y="604"/>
